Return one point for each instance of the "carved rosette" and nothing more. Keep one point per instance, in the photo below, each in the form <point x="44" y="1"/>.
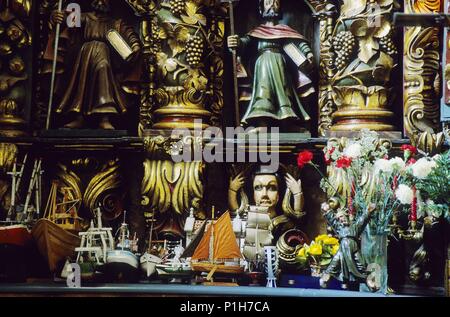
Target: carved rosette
<point x="421" y="79"/>
<point x="15" y="41"/>
<point x="169" y="190"/>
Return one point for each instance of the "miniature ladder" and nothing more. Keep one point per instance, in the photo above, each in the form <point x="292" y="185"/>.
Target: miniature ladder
<point x="271" y="265"/>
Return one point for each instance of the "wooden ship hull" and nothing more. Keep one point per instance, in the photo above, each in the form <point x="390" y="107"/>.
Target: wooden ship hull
<point x="54" y="243"/>
<point x="221" y="268"/>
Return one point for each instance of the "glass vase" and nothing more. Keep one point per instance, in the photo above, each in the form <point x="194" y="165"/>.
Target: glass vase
<point x="374" y="253"/>
<point x="316" y="270"/>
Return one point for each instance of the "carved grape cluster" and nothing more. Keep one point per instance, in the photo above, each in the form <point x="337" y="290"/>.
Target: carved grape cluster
<point x="177" y="6"/>
<point x="344" y="45"/>
<point x="387" y="45"/>
<point x="194" y="50"/>
<point x="156" y="39"/>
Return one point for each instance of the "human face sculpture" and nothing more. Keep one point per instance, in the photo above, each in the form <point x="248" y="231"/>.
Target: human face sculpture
<point x="265" y="191"/>
<point x="101" y="5"/>
<point x="270" y="8"/>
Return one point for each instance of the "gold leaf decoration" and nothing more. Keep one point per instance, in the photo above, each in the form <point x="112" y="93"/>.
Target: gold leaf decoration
<point x="178" y="40"/>
<point x="383" y="66"/>
<point x="107" y="181"/>
<point x="196" y="80"/>
<point x="193" y="17"/>
<point x="352" y="8"/>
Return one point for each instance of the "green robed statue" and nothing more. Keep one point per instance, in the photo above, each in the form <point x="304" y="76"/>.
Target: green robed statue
<point x="281" y="72"/>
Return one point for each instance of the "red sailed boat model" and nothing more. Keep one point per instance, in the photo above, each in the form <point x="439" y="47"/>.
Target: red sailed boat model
<point x="218" y="250"/>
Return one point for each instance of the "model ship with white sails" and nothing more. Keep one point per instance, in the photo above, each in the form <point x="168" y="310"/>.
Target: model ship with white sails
<point x="257" y="236"/>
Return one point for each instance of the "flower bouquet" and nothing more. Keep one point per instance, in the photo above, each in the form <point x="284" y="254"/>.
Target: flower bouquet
<point x="318" y="254"/>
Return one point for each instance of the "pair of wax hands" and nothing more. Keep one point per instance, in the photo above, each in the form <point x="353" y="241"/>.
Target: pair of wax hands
<point x="294" y="186"/>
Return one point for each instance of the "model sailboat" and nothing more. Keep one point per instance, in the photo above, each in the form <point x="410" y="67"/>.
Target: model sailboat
<point x="56" y="234"/>
<point x="218" y="250"/>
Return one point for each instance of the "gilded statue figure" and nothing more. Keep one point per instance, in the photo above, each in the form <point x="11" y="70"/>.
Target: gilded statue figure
<point x="281" y="74"/>
<point x="266" y="193"/>
<point x="95" y="83"/>
<point x="347" y="265"/>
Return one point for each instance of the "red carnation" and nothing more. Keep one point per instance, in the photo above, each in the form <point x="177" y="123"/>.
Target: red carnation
<point x="410" y="148"/>
<point x="304" y="158"/>
<point x="344" y="162"/>
<point x="411" y="161"/>
<point x="331" y="151"/>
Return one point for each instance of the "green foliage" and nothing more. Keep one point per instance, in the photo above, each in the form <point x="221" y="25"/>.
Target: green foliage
<point x="437" y="185"/>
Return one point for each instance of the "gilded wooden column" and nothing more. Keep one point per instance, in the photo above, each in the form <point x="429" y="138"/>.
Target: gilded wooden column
<point x="421" y="79"/>
<point x="361" y="57"/>
<point x="326" y="13"/>
<point x="169" y="190"/>
<point x="357" y="56"/>
<point x="15" y="65"/>
<point x="184" y="42"/>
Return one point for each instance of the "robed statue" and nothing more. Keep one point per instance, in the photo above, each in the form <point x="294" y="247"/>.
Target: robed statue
<point x="281" y="75"/>
<point x="97" y="71"/>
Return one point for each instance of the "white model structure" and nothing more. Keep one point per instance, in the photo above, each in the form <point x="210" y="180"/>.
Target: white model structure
<point x="96" y="242"/>
<point x="271" y="265"/>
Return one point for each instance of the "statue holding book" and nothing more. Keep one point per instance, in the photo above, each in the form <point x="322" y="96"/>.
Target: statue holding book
<point x="98" y="63"/>
<point x="281" y="75"/>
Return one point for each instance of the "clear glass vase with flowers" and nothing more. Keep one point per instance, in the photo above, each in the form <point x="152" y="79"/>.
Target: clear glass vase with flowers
<point x="361" y="176"/>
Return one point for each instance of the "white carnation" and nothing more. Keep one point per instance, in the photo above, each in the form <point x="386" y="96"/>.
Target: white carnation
<point x="353" y="150"/>
<point x="397" y="163"/>
<point x="422" y="168"/>
<point x="382" y="165"/>
<point x="404" y="194"/>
